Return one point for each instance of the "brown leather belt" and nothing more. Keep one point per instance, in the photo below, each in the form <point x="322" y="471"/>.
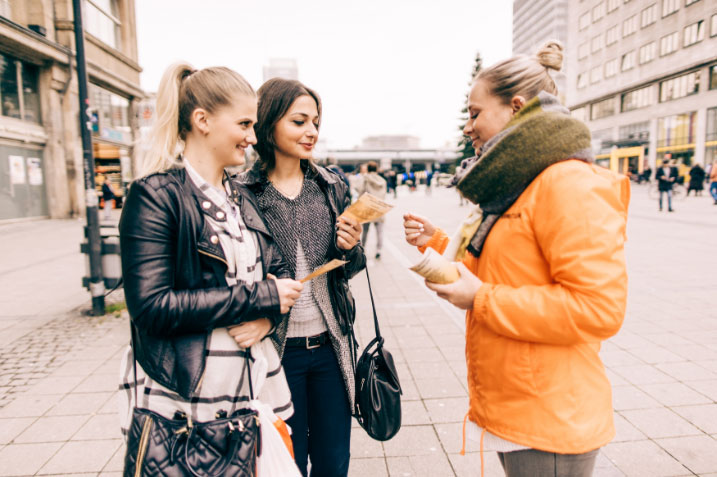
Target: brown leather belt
<point x="308" y="342"/>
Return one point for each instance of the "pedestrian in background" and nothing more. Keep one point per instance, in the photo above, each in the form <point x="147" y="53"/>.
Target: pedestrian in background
<point x="666" y="177"/>
<point x="375" y="185"/>
<point x="713" y="181"/>
<point x="302" y="202"/>
<point x="203" y="278"/>
<point x="542" y="273"/>
<point x="697" y="180"/>
<point x="108" y="197"/>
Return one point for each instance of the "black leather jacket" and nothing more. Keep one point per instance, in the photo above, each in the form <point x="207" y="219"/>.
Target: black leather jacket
<point x="338" y="197"/>
<point x="174" y="276"/>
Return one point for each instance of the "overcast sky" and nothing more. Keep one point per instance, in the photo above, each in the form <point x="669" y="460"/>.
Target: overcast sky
<point x="380" y="67"/>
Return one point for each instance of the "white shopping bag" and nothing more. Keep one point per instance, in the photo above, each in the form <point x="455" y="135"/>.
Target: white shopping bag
<point x="275" y="459"/>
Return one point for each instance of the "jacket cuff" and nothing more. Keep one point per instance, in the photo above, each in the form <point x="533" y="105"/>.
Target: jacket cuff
<point x="480" y="303"/>
<point x="273" y="311"/>
<point x="435" y="239"/>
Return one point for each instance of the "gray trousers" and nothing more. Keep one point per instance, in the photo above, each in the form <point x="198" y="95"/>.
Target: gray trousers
<point x="535" y="463"/>
<point x="379" y="234"/>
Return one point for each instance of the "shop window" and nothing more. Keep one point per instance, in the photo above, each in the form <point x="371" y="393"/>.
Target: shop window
<point x="676" y="130"/>
<point x="669" y="7"/>
<point x="680" y="86"/>
<point x="669" y="43"/>
<point x="694" y="33"/>
<point x="19" y="94"/>
<point x="102" y="21"/>
<point x="639" y="98"/>
<point x="711" y="134"/>
<point x="602" y="109"/>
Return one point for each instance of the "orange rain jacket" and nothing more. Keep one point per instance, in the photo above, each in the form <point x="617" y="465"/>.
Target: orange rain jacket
<point x="555" y="286"/>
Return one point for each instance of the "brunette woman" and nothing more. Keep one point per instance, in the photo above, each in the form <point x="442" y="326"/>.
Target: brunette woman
<point x="302" y="202"/>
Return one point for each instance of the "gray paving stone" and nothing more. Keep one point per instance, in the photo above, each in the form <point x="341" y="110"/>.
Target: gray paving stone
<point x="697" y="453"/>
<point x="12" y="427"/>
<point x="675" y="394"/>
<point x="626" y="432"/>
<point x="660" y="422"/>
<point x="703" y="417"/>
<point x="413" y="413"/>
<point x="100" y="426"/>
<point x="79" y="404"/>
<point x="363" y="446"/>
<point x="412" y="441"/>
<point x="361" y="467"/>
<point x="708" y="388"/>
<point x="442" y="411"/>
<point x="643" y="459"/>
<point x="686" y="371"/>
<point x="116" y="463"/>
<point x="26" y="459"/>
<point x="631" y="397"/>
<point x="30" y="406"/>
<point x="445" y="387"/>
<point x="51" y="429"/>
<point x="642" y="374"/>
<point x="469" y="465"/>
<point x="84" y="456"/>
<point x="420" y="466"/>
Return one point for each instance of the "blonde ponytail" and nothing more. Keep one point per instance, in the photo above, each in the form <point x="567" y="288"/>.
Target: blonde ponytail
<point x="182" y="90"/>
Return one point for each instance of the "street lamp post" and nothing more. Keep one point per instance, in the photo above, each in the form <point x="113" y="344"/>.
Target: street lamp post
<point x="94" y="241"/>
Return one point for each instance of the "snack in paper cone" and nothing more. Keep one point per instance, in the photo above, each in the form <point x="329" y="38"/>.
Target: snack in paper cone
<point x="435" y="268"/>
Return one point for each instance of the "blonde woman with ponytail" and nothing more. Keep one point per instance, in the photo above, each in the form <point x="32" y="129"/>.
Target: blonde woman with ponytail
<point x="203" y="278"/>
<point x="542" y="273"/>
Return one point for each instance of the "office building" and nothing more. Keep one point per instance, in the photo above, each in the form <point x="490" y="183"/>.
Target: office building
<point x="643" y="75"/>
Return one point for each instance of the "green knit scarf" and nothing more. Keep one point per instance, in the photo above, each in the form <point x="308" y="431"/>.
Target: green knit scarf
<point x="541" y="134"/>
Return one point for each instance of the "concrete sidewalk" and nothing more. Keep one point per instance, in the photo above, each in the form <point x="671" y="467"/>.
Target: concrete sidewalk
<point x="58" y="369"/>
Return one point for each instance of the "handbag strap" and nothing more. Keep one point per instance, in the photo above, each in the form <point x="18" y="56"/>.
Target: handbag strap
<point x="373" y="306"/>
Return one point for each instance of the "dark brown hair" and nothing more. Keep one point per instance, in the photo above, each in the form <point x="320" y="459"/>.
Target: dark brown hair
<point x="275" y="98"/>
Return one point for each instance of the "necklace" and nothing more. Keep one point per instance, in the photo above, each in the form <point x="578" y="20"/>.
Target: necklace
<point x="295" y="190"/>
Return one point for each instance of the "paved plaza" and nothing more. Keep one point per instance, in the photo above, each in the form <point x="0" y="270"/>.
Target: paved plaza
<point x="58" y="367"/>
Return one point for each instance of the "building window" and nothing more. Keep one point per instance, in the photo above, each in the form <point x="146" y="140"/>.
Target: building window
<point x="629" y="26"/>
<point x="101" y="21"/>
<point x="676" y="130"/>
<point x="602" y="109"/>
<point x="19" y="94"/>
<point x="583" y="50"/>
<point x="598" y="42"/>
<point x="648" y="52"/>
<point x="635" y="131"/>
<point x="613" y="34"/>
<point x="669" y="43"/>
<point x="581" y="114"/>
<point x="669" y="7"/>
<point x="711" y="134"/>
<point x="680" y="86"/>
<point x="112" y="114"/>
<point x="582" y="80"/>
<point x="713" y="30"/>
<point x="595" y="75"/>
<point x="639" y="98"/>
<point x="713" y="77"/>
<point x="598" y="11"/>
<point x="628" y="61"/>
<point x="612" y="5"/>
<point x="611" y="68"/>
<point x="649" y="16"/>
<point x="690" y="2"/>
<point x="694" y="33"/>
<point x="584" y="21"/>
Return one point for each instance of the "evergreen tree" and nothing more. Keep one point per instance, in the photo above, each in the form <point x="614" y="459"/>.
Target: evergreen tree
<point x="465" y="148"/>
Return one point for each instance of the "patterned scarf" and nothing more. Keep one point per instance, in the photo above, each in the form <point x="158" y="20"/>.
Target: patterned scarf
<point x="541" y="134"/>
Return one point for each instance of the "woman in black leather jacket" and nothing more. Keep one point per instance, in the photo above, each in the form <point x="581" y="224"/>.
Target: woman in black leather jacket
<point x="302" y="204"/>
<point x="203" y="277"/>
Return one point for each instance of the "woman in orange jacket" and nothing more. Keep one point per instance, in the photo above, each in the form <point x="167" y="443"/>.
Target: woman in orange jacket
<point x="542" y="272"/>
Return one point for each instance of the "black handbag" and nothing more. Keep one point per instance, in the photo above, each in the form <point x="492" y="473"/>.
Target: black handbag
<point x="378" y="390"/>
<point x="227" y="446"/>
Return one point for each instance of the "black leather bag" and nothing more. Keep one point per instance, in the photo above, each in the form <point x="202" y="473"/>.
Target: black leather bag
<point x="226" y="447"/>
<point x="378" y="390"/>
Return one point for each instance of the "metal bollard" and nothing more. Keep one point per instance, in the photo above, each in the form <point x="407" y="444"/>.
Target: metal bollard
<point x="111" y="262"/>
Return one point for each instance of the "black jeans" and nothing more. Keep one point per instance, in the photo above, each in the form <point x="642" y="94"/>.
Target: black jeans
<point x="535" y="463"/>
<point x="321" y="424"/>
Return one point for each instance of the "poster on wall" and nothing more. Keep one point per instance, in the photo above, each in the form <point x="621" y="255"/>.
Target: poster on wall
<point x="17" y="169"/>
<point x="34" y="171"/>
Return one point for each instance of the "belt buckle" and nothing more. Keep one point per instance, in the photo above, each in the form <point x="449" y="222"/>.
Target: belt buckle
<point x="308" y="346"/>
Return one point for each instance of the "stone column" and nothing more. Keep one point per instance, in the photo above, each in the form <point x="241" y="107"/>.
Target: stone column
<point x="652" y="153"/>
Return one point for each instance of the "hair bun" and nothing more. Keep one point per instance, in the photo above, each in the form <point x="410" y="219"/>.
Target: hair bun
<point x="550" y="55"/>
